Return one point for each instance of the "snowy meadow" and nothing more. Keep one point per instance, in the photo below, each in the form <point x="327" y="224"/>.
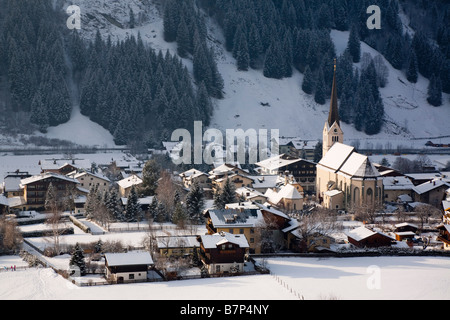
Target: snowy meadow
<point x="362" y="278"/>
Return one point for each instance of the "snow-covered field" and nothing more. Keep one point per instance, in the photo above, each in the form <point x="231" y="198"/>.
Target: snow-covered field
<point x="376" y="278"/>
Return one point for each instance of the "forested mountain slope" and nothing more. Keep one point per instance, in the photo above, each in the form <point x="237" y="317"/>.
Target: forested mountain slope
<point x="141" y="69"/>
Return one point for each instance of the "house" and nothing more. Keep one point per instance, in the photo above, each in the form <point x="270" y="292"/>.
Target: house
<point x="64" y="166"/>
<point x="315" y="242"/>
<point x="177" y="246"/>
<point x="189" y="177"/>
<point x="11" y="184"/>
<point x="223" y="252"/>
<point x="406" y="226"/>
<point x="286" y="197"/>
<point x="35" y="188"/>
<point x="126" y="184"/>
<point x="237" y="220"/>
<point x="444" y="235"/>
<point x="263" y="182"/>
<point x="431" y="192"/>
<point x="219" y="175"/>
<point x="89" y="179"/>
<point x="396" y="186"/>
<point x="333" y="199"/>
<point x="128" y="267"/>
<point x="304" y="171"/>
<point x="249" y="194"/>
<point x="363" y="237"/>
<point x="297" y="148"/>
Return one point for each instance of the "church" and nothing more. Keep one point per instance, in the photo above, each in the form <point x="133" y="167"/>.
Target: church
<point x="344" y="178"/>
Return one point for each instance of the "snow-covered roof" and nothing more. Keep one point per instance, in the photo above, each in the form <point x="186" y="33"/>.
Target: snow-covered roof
<point x="264" y="181"/>
<point x="46" y="175"/>
<point x="429" y="185"/>
<point x="177" y="242"/>
<point x="132" y="180"/>
<point x="406" y="224"/>
<point x="358" y="165"/>
<point x="336" y="156"/>
<point x="12" y="201"/>
<point x="235" y="217"/>
<point x="128" y="259"/>
<point x="287" y="191"/>
<point x="84" y="173"/>
<point x="249" y="193"/>
<point x="361" y="233"/>
<point x="333" y="193"/>
<point x="397" y="183"/>
<point x="192" y="173"/>
<point x="213" y="241"/>
<point x="53" y="164"/>
<point x="278" y="161"/>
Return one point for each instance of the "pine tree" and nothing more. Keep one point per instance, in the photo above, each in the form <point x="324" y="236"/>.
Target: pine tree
<point x="319" y="96"/>
<point x="354" y="45"/>
<point x="228" y="194"/>
<point x="308" y="84"/>
<point x="77" y="259"/>
<point x="195" y="202"/>
<point x="133" y="210"/>
<point x="150" y="176"/>
<point x="183" y="39"/>
<point x="435" y="91"/>
<point x="39" y="114"/>
<point x="274" y="62"/>
<point x="412" y="73"/>
<point x="241" y="53"/>
<point x="132" y="22"/>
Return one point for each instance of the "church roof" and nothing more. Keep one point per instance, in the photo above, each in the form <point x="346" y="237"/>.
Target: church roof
<point x="344" y="159"/>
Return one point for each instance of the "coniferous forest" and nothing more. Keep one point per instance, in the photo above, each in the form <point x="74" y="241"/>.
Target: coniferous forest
<point x="141" y="95"/>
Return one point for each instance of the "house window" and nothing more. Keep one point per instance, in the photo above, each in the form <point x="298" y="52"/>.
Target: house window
<point x="241" y="231"/>
<point x="217" y="268"/>
<point x="131" y="276"/>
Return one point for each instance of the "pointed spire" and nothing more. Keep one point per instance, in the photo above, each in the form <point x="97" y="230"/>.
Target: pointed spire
<point x="334" y="111"/>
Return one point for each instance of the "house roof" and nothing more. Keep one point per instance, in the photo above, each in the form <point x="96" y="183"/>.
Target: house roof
<point x="217" y="239"/>
<point x="397" y="183"/>
<point x="177" y="242"/>
<point x="429" y="185"/>
<point x="362" y="233"/>
<point x="344" y="159"/>
<point x="287" y="191"/>
<point x="47" y="175"/>
<point x="128" y="259"/>
<point x="130" y="181"/>
<point x="83" y="173"/>
<point x="235" y="217"/>
<point x="278" y="161"/>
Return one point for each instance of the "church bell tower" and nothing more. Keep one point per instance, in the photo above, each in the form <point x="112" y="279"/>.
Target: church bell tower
<point x="332" y="131"/>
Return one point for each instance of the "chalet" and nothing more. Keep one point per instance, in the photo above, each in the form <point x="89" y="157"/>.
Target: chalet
<point x="35" y="188"/>
<point x="223" y="253"/>
<point x="128" y="267"/>
<point x="406" y="226"/>
<point x="64" y="166"/>
<point x="314" y="242"/>
<point x="11" y="184"/>
<point x="192" y="176"/>
<point x="363" y="237"/>
<point x="239" y="180"/>
<point x="286" y="197"/>
<point x="243" y="221"/>
<point x="396" y="186"/>
<point x="444" y="235"/>
<point x="297" y="148"/>
<point x="249" y="194"/>
<point x="263" y="182"/>
<point x="431" y="192"/>
<point x="177" y="246"/>
<point x="126" y="184"/>
<point x="304" y="171"/>
<point x="89" y="179"/>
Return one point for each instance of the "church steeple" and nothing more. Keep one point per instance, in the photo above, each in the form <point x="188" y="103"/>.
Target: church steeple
<point x="334" y="111"/>
<point x="332" y="131"/>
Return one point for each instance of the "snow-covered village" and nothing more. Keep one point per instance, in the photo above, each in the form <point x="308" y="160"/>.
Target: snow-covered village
<point x="224" y="150"/>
